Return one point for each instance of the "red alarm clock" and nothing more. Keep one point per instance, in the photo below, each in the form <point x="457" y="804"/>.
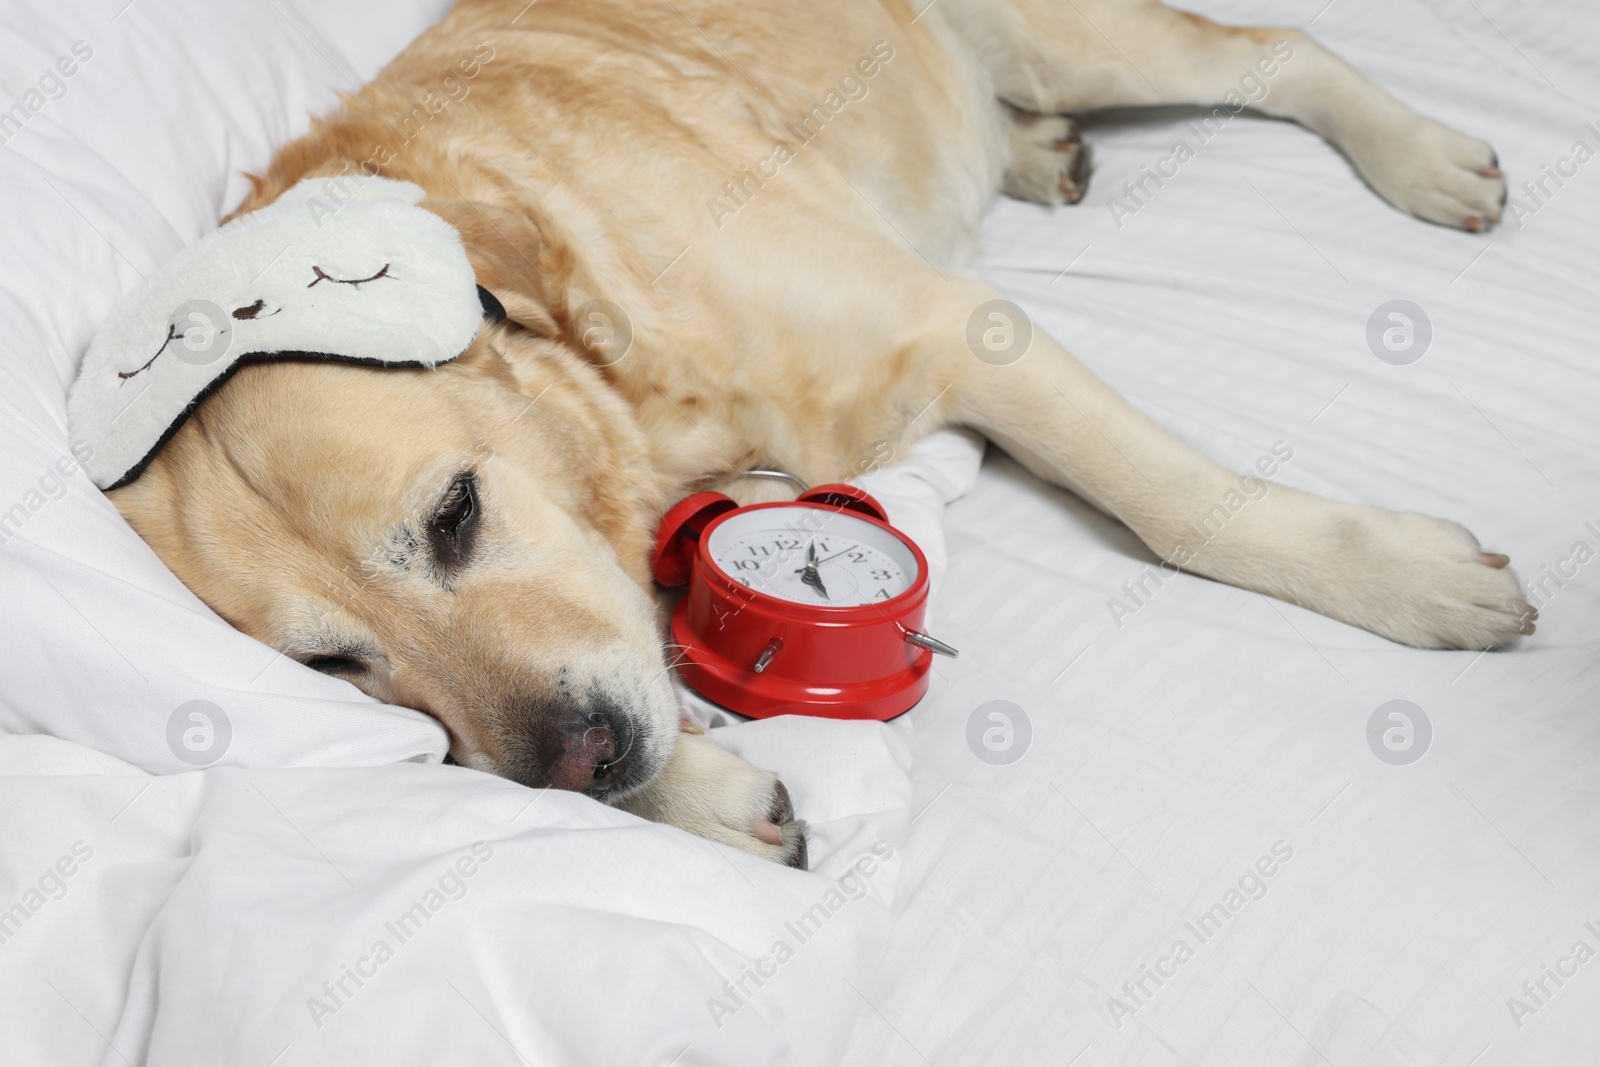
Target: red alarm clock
<point x="809" y="607"/>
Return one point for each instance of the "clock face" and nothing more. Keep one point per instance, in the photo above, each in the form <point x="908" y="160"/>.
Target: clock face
<point x="813" y="556"/>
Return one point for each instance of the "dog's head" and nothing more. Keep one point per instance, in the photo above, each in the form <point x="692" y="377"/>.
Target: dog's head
<point x="469" y="541"/>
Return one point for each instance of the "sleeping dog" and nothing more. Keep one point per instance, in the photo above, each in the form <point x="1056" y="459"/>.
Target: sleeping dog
<point x="779" y="196"/>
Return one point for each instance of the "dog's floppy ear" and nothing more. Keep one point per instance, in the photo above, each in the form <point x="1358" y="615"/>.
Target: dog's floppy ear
<point x="504" y="248"/>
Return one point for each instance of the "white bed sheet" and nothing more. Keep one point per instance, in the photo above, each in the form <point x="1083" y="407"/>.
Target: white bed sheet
<point x="1171" y="753"/>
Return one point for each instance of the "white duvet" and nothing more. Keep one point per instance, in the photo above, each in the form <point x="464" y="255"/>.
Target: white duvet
<point x="428" y="914"/>
<point x="1198" y="857"/>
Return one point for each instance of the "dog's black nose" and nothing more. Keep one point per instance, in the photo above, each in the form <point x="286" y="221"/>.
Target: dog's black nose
<point x="588" y="753"/>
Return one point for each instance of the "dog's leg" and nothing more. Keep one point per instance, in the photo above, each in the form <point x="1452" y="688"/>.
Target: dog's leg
<point x="1059" y="56"/>
<point x="1415" y="579"/>
<point x="710" y="792"/>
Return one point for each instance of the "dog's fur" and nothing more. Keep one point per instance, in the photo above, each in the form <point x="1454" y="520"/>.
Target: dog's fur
<point x="815" y="322"/>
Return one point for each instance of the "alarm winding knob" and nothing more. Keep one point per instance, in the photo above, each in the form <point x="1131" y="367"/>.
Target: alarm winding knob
<point x="765" y="659"/>
<point x="932" y="644"/>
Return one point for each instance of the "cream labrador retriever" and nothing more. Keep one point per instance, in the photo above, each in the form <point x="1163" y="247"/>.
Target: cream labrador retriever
<point x="778" y="198"/>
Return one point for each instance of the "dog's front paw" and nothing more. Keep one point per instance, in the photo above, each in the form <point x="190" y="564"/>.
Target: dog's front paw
<point x="746" y="807"/>
<point x="710" y="792"/>
<point x="749" y="809"/>
<point x="1433" y="172"/>
<point x="1426" y="582"/>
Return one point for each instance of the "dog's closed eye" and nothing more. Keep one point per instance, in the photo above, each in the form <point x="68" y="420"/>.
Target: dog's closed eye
<point x="454" y="522"/>
<point x="339" y="666"/>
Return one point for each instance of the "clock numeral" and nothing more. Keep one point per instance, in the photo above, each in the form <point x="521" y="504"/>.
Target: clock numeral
<point x="858" y="557"/>
<point x="788" y="544"/>
<point x="882" y="575"/>
<point x="747" y="564"/>
<point x="761" y="550"/>
<point x="881" y="594"/>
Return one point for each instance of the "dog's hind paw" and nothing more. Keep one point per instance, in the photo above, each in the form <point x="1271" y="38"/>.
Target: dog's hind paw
<point x="1048" y="163"/>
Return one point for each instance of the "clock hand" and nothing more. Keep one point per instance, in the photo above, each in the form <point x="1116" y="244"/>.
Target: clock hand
<point x="811" y="577"/>
<point x="825" y="559"/>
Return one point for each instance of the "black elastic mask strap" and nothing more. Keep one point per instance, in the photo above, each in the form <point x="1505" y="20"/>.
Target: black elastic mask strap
<point x="493" y="310"/>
